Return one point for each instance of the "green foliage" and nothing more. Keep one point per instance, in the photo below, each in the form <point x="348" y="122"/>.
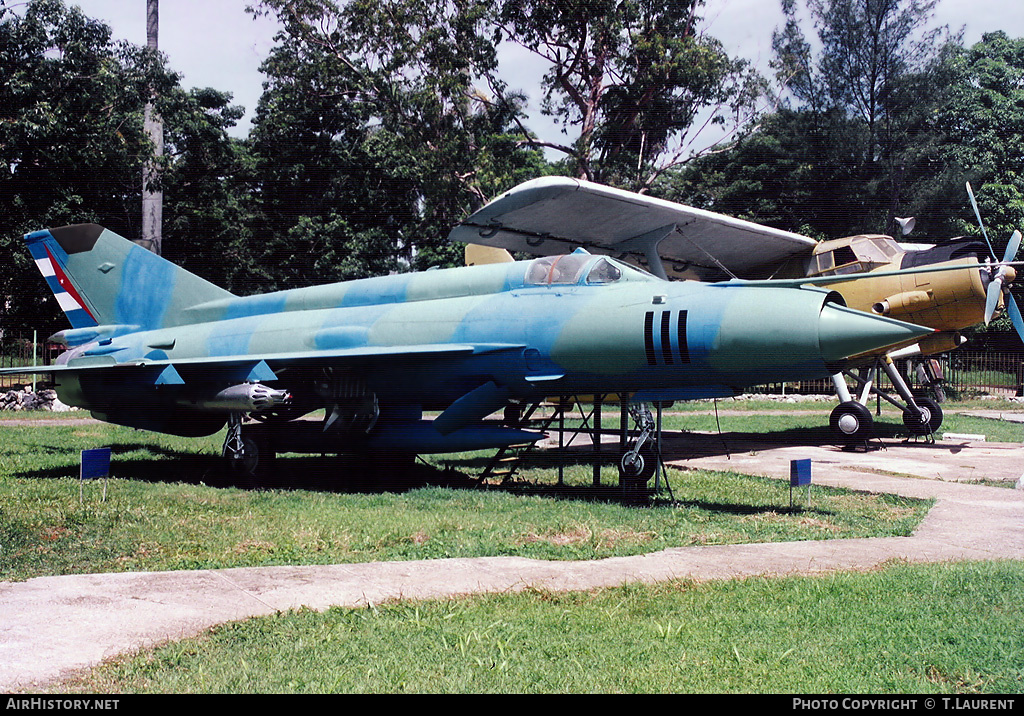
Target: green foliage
<point x="72" y="145"/>
<point x="798" y="172"/>
<point x="983" y="127"/>
<point x="382" y="125"/>
<point x="867" y="47"/>
<point x="206" y="221"/>
<point x="71" y="141"/>
<point x="877" y="127"/>
<point x="628" y="78"/>
<point x="372" y="139"/>
<point x="887" y="123"/>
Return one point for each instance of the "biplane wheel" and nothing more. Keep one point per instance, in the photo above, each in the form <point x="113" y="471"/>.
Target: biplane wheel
<point x="925" y="422"/>
<point x="851" y="422"/>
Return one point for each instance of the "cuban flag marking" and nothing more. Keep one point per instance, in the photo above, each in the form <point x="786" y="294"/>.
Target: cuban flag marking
<point x="63" y="290"/>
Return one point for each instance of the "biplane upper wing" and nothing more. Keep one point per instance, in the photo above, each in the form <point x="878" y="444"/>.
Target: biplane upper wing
<point x="557" y="215"/>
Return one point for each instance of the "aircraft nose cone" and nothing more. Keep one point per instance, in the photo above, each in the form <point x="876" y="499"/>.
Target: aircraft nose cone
<point x="844" y="332"/>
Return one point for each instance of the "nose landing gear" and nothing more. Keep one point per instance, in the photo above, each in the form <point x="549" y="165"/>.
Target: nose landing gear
<point x="642" y="461"/>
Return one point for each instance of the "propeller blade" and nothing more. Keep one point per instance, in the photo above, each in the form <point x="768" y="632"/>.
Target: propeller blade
<point x="977" y="213"/>
<point x="995" y="287"/>
<point x="1018" y="322"/>
<point x="1012" y="248"/>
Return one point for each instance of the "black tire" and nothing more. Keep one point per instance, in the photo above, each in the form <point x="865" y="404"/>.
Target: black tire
<point x="925" y="422"/>
<point x="643" y="467"/>
<point x="851" y="423"/>
<point x="256" y="464"/>
<point x="634" y="475"/>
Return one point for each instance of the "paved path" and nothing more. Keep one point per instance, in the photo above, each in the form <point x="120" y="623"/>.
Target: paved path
<point x="51" y="626"/>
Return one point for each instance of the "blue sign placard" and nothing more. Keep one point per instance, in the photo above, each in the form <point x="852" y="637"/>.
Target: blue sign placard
<point x="95" y="463"/>
<point x="799" y="472"/>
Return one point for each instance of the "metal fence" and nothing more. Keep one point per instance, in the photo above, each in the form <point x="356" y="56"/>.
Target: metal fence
<point x="22" y="348"/>
<point x="963" y="374"/>
<point x="990" y="372"/>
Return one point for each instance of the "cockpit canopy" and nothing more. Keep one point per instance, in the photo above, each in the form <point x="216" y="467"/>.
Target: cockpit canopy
<point x="582" y="268"/>
<point x="852" y="255"/>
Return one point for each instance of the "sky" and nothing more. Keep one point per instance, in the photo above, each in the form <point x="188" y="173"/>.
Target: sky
<point x="215" y="43"/>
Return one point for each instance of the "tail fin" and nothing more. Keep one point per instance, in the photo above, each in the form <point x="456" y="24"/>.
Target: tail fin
<point x="100" y="278"/>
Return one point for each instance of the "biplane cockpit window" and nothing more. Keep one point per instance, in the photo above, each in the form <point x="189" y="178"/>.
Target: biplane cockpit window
<point x="875" y="250"/>
<point x="888" y="247"/>
<point x="863" y="254"/>
<point x="843" y="255"/>
<point x="563" y="269"/>
<point x="841" y="260"/>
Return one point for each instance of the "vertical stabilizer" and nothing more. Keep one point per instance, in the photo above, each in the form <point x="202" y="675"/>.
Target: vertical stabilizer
<point x="101" y="278"/>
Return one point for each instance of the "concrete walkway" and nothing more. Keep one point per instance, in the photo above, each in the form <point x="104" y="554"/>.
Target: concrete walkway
<point x="52" y="626"/>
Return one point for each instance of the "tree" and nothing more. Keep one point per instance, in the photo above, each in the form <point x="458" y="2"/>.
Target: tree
<point x="982" y="124"/>
<point x="630" y="78"/>
<point x="867" y="47"/>
<point x="859" y="127"/>
<point x="372" y="139"/>
<point x="70" y="137"/>
<point x="205" y="180"/>
<point x="73" y="146"/>
<point x="797" y="172"/>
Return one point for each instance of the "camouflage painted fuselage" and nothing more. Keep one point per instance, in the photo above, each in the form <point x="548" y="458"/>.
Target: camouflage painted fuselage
<point x="161" y="342"/>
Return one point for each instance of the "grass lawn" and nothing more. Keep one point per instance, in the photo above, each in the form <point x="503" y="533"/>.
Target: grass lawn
<point x="161" y="512"/>
<point x="903" y="629"/>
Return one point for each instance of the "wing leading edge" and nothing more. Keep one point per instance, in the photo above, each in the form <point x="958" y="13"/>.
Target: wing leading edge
<point x="324" y="358"/>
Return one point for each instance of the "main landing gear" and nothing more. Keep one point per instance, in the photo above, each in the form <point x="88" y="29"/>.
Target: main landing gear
<point x="851" y="422"/>
<point x="637" y="456"/>
<point x="248" y="453"/>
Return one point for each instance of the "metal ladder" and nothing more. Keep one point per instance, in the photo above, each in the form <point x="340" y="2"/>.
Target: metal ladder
<point x="506" y="462"/>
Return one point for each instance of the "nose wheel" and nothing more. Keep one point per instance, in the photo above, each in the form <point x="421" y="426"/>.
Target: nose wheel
<point x="640" y="462"/>
<point x="639" y="465"/>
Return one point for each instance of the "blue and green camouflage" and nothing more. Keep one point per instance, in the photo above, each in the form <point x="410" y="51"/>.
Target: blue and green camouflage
<point x="156" y="347"/>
